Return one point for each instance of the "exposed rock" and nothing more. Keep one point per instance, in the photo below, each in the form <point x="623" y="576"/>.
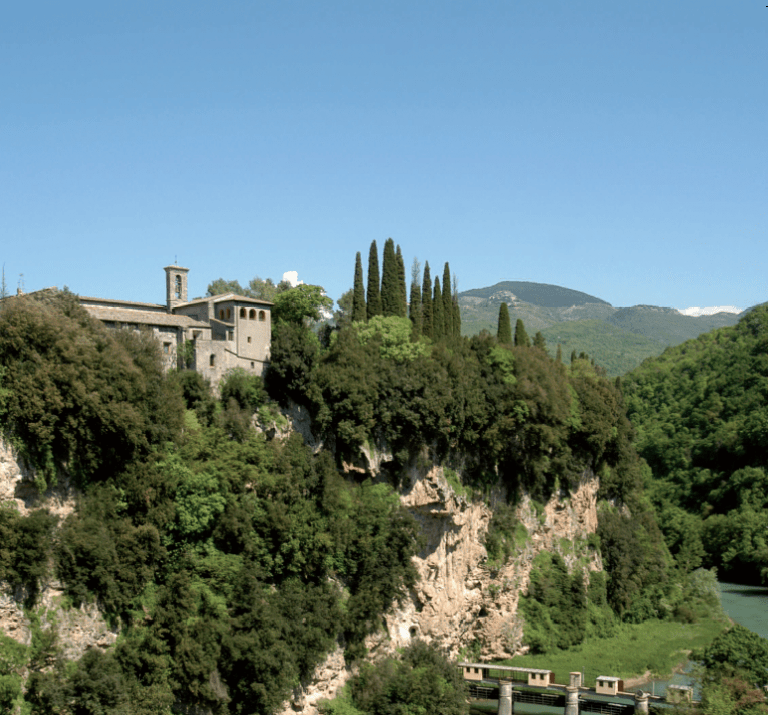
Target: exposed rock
<point x="77" y="629"/>
<point x="457" y="602"/>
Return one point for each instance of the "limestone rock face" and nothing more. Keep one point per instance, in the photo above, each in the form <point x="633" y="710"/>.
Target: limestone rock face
<point x="77" y="629"/>
<point x="458" y="602"/>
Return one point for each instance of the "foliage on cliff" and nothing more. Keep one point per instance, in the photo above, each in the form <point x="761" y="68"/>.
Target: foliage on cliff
<point x="232" y="564"/>
<point x="701" y="413"/>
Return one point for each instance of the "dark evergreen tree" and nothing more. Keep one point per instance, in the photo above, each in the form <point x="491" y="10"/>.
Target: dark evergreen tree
<point x="427" y="322"/>
<point x="559" y="356"/>
<point x="403" y="309"/>
<point x="447" y="303"/>
<point x="373" y="306"/>
<point x="415" y="305"/>
<point x="390" y="290"/>
<point x="456" y="309"/>
<point x="573" y="356"/>
<point x="504" y="330"/>
<point x="358" y="298"/>
<point x="438" y="317"/>
<point x="521" y="337"/>
<point x="539" y="341"/>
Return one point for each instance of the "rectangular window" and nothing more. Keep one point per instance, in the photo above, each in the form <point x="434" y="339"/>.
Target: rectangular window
<point x="249" y="338"/>
<point x="167" y="348"/>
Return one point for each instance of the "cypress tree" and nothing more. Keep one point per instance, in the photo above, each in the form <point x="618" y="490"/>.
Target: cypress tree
<point x="438" y="318"/>
<point x="521" y="337"/>
<point x="427" y="324"/>
<point x="415" y="305"/>
<point x="539" y="341"/>
<point x="559" y="356"/>
<point x="504" y="331"/>
<point x="390" y="291"/>
<point x="403" y="307"/>
<point x="447" y="303"/>
<point x="573" y="357"/>
<point x="456" y="309"/>
<point x="358" y="297"/>
<point x="373" y="306"/>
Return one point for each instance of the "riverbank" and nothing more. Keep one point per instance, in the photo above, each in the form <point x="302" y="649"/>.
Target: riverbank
<point x="637" y="653"/>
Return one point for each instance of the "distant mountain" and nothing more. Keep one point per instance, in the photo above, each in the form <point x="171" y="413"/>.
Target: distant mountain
<point x="619" y="339"/>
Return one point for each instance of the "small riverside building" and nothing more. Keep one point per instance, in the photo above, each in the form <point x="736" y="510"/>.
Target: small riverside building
<point x="608" y="685"/>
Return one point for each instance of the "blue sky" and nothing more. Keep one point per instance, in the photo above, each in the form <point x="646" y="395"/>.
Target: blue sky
<point x="618" y="148"/>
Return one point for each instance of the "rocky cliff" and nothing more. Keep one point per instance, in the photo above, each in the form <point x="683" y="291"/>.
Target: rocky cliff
<point x="458" y="603"/>
<point x="75" y="629"/>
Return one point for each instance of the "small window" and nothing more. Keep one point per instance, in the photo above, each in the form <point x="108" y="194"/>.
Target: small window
<point x="253" y="364"/>
<point x="249" y="338"/>
<point x="221" y="315"/>
<point x="167" y="348"/>
<point x="213" y="361"/>
<point x="262" y="316"/>
<point x="251" y="314"/>
<point x="229" y="313"/>
<point x="230" y="335"/>
<point x="242" y="312"/>
<point x="178" y="287"/>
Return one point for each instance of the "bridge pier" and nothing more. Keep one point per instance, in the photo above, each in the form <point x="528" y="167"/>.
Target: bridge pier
<point x="641" y="703"/>
<point x="505" y="697"/>
<point x="571" y="700"/>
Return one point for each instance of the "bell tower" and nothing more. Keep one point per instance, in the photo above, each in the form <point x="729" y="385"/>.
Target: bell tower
<point x="175" y="286"/>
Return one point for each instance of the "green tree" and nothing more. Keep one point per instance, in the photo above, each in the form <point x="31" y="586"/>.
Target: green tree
<point x="504" y="330"/>
<point x="373" y="297"/>
<point x="521" y="337"/>
<point x="438" y="317"/>
<point x="221" y="286"/>
<point x="415" y="308"/>
<point x="301" y="305"/>
<point x="539" y="341"/>
<point x="403" y="309"/>
<point x="448" y="331"/>
<point x="358" y="302"/>
<point x="390" y="287"/>
<point x="265" y="289"/>
<point x="426" y="304"/>
<point x="742" y="651"/>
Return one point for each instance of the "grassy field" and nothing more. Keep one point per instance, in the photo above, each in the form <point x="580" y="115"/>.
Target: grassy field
<point x="657" y="646"/>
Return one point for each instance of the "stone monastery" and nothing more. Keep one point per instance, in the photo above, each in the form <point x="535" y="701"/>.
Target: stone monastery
<point x="224" y="331"/>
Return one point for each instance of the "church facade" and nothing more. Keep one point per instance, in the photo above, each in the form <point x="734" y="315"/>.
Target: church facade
<point x="209" y="335"/>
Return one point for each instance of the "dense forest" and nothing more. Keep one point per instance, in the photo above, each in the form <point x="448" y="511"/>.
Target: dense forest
<point x="233" y="563"/>
<point x="701" y="414"/>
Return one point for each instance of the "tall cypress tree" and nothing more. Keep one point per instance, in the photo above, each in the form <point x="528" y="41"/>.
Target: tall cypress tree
<point x="403" y="307"/>
<point x="358" y="295"/>
<point x="504" y="331"/>
<point x="559" y="356"/>
<point x="427" y="324"/>
<point x="373" y="306"/>
<point x="415" y="304"/>
<point x="390" y="291"/>
<point x="438" y="319"/>
<point x="447" y="303"/>
<point x="521" y="337"/>
<point x="539" y="341"/>
<point x="456" y="309"/>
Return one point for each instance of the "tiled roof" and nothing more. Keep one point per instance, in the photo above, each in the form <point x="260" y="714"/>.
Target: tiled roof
<point x="142" y="317"/>
<point x="227" y="297"/>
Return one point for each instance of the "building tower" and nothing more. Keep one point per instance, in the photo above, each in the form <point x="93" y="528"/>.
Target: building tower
<point x="175" y="286"/>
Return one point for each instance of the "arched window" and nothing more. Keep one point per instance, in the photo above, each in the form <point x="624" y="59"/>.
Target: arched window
<point x="221" y="315"/>
<point x="262" y="315"/>
<point x="242" y="312"/>
<point x="178" y="287"/>
<point x="252" y="314"/>
<point x="229" y="313"/>
<point x="213" y="361"/>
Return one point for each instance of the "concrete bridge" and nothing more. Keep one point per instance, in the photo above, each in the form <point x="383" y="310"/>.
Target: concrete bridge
<point x="608" y="697"/>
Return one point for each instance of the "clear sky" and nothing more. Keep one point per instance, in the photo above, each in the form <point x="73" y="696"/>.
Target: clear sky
<point x="613" y="147"/>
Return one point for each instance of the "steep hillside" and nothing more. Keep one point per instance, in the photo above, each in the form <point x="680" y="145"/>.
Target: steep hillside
<point x="636" y="333"/>
<point x="701" y="413"/>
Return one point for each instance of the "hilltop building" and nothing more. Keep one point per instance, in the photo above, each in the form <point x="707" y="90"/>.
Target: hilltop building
<point x="211" y="335"/>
